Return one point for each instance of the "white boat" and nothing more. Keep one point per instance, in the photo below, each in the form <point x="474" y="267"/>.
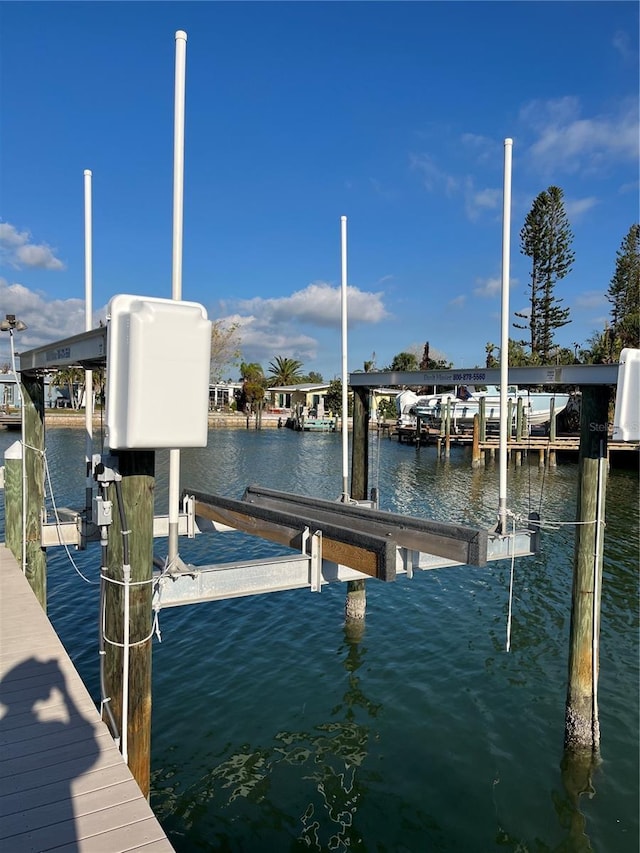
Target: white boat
<point x="464" y="403"/>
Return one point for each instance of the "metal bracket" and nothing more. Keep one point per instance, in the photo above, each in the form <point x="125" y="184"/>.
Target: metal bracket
<point x="315" y="557"/>
<point x="315" y="564"/>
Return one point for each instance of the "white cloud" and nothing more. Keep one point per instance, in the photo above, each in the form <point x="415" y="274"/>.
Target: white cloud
<point x="576" y="207"/>
<point x="259" y="340"/>
<point x="479" y="201"/>
<point x="590" y="299"/>
<point x="483" y="147"/>
<point x="18" y="250"/>
<point x="566" y="141"/>
<point x="622" y="44"/>
<point x="487" y="288"/>
<point x="273" y="326"/>
<point x="317" y="305"/>
<point x="434" y="179"/>
<point x="630" y="187"/>
<point x="458" y="301"/>
<point x="47" y="319"/>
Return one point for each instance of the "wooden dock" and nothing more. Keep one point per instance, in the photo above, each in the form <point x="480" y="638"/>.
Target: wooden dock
<point x="542" y="445"/>
<point x="10" y="421"/>
<point x="64" y="784"/>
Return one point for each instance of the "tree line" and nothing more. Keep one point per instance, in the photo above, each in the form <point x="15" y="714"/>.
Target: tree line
<point x="546" y="238"/>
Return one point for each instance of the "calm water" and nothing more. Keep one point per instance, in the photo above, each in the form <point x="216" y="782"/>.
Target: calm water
<point x="274" y="730"/>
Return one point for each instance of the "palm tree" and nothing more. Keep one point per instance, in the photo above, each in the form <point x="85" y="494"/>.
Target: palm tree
<point x="69" y="378"/>
<point x="284" y="371"/>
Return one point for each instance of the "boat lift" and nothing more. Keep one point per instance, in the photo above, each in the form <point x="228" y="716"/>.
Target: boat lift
<point x="334" y="541"/>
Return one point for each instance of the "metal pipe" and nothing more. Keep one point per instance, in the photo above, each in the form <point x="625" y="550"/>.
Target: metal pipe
<point x="88" y="323"/>
<point x="345" y="390"/>
<point x="504" y="335"/>
<point x="176" y="273"/>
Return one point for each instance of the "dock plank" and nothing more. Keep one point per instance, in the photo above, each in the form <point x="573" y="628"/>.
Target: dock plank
<point x="63" y="783"/>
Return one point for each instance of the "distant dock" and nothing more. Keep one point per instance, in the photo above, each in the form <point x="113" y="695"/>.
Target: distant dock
<point x="64" y="783"/>
<point x="545" y="446"/>
<point x="10" y="421"/>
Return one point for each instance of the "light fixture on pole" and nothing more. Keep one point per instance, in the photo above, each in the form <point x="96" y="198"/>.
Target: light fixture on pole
<point x="10" y="324"/>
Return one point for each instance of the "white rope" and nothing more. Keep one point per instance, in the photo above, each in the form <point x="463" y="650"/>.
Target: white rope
<point x="130" y="644"/>
<point x="556" y="525"/>
<point x="130" y="583"/>
<point x="57" y="517"/>
<point x="549" y="525"/>
<point x="156" y="624"/>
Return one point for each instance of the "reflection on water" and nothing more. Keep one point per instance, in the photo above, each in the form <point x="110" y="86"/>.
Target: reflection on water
<point x="330" y="756"/>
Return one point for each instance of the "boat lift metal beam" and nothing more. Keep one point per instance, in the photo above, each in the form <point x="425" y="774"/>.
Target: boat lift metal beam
<point x="560" y="374"/>
<point x="369" y="551"/>
<point x="466" y="545"/>
<point x="304" y="571"/>
<point x="88" y="349"/>
<point x="311" y="567"/>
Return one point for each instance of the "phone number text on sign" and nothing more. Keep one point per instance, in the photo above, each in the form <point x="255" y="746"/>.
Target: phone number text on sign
<point x="469" y="377"/>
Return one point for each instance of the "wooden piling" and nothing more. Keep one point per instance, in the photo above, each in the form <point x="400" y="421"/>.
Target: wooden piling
<point x="33" y="431"/>
<point x="137" y="470"/>
<point x="582" y="729"/>
<point x="519" y="419"/>
<point x="519" y="430"/>
<point x="551" y="456"/>
<point x="447" y="430"/>
<point x="475" y="448"/>
<point x="356" y="601"/>
<point x="483" y="418"/>
<point x="13" y="500"/>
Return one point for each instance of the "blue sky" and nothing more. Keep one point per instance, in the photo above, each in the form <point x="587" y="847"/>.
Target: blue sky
<point x="392" y="114"/>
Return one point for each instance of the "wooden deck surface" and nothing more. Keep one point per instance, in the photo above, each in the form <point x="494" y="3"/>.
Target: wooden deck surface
<point x="63" y="783"/>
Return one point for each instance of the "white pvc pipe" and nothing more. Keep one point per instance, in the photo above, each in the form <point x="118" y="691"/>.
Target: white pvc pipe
<point x="597" y="565"/>
<point x="124" y="742"/>
<point x="176" y="272"/>
<point x="345" y="390"/>
<point x="88" y="323"/>
<point x="504" y="335"/>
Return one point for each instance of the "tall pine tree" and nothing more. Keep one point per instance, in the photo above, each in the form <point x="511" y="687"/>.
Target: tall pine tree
<point x="546" y="238"/>
<point x="624" y="296"/>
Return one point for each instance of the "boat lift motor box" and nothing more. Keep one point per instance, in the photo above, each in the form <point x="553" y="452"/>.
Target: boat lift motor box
<point x="626" y="420"/>
<point x="158" y="357"/>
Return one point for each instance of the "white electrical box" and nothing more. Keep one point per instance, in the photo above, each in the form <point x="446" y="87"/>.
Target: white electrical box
<point x="158" y="357"/>
<point x="626" y="420"/>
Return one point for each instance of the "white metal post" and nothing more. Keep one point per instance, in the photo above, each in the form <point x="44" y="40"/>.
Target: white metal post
<point x="345" y="390"/>
<point x="176" y="276"/>
<point x="504" y="335"/>
<point x="88" y="323"/>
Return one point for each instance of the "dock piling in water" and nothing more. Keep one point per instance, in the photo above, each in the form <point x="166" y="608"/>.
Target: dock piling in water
<point x="24" y="490"/>
<point x="137" y="488"/>
<point x="582" y="728"/>
<point x="356" y="601"/>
